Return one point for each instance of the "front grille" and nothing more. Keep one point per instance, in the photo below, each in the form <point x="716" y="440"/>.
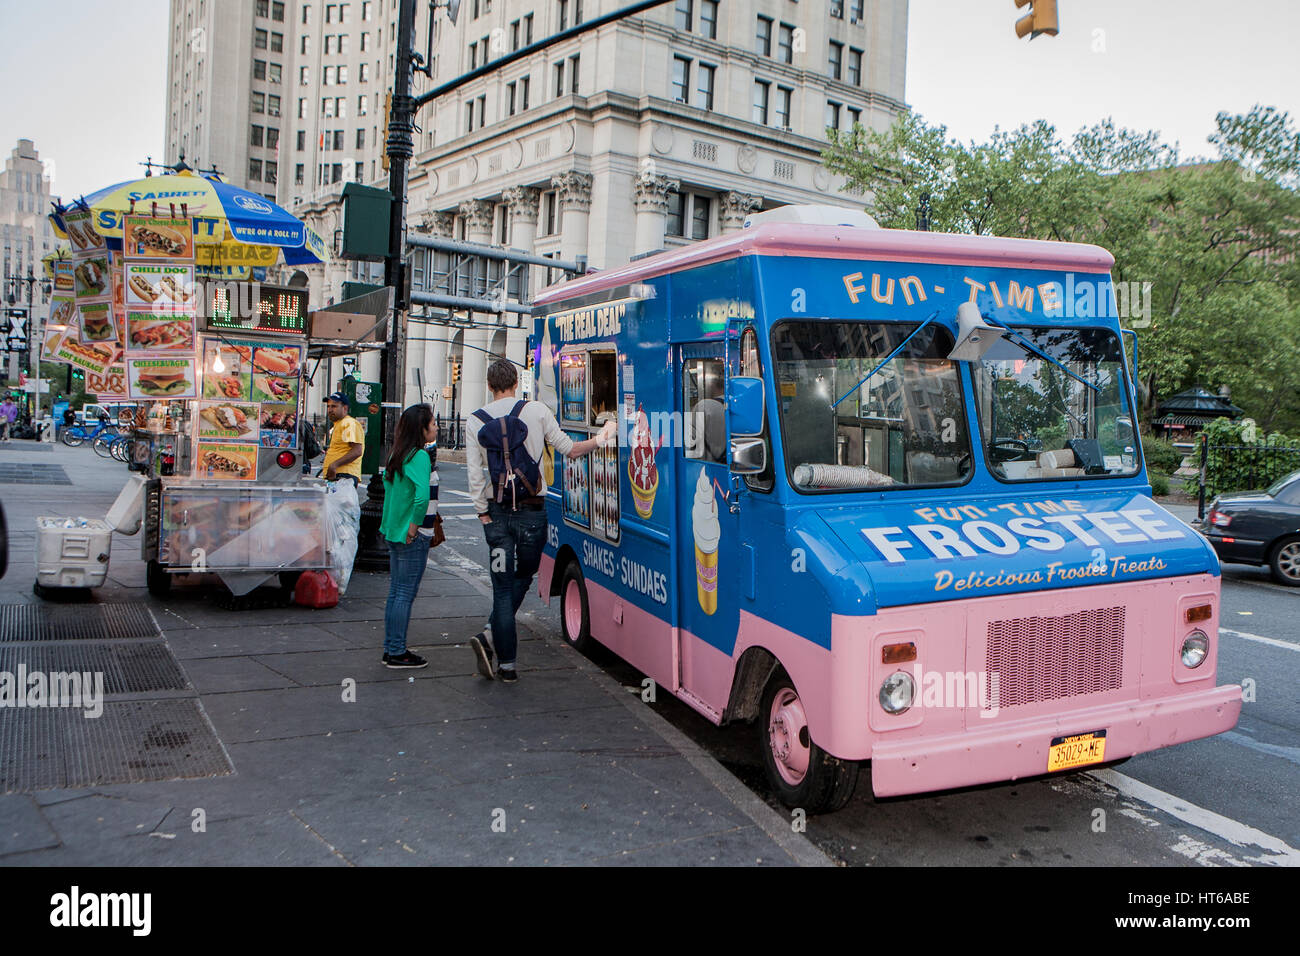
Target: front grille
<point x="1048" y="658"/>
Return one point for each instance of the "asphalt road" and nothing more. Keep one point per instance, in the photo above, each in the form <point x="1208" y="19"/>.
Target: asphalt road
<point x="1229" y="800"/>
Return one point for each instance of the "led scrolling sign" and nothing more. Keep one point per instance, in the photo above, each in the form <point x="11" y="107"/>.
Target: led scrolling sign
<point x="255" y="307"/>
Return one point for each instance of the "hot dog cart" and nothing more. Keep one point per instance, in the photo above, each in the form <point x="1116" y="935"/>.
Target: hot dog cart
<point x="226" y="492"/>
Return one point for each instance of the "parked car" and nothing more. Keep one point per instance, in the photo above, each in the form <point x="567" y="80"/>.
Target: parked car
<point x="1260" y="527"/>
<point x="89" y="413"/>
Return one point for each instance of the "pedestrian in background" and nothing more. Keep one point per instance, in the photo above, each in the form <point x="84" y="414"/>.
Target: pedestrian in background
<point x="346" y="442"/>
<point x="510" y="445"/>
<point x="406" y="500"/>
<point x="8" y="415"/>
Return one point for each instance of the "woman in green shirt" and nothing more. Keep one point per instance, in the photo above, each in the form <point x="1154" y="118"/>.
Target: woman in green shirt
<point x="406" y="499"/>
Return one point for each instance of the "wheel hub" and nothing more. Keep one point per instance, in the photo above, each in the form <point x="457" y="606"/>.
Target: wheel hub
<point x="788" y="737"/>
<point x="1288" y="560"/>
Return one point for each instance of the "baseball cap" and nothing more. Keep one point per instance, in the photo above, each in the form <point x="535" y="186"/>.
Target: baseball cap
<point x="337" y="397"/>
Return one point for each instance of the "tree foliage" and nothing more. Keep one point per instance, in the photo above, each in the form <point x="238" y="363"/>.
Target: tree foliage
<point x="1218" y="239"/>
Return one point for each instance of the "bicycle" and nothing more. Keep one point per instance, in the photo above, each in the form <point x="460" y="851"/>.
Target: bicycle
<point x="103" y="443"/>
<point x="120" y="448"/>
<point x="74" y="435"/>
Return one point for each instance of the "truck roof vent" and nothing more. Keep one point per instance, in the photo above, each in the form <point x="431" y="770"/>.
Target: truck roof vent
<point x="813" y="216"/>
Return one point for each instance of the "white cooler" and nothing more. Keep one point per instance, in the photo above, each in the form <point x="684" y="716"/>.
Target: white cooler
<point x="72" y="557"/>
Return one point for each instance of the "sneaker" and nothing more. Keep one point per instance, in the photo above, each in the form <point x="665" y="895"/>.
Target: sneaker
<point x="508" y="675"/>
<point x="482" y="654"/>
<point x="406" y="659"/>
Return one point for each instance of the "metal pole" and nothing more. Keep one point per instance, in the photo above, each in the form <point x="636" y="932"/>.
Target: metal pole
<point x="400" y="147"/>
<point x="1205" y="454"/>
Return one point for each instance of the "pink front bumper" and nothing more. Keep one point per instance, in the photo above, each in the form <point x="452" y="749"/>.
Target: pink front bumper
<point x="1011" y="751"/>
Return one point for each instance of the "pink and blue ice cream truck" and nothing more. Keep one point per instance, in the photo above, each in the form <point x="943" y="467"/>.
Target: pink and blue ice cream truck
<point x="882" y="493"/>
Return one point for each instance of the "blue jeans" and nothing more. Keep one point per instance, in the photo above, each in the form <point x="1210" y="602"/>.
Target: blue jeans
<point x="515" y="541"/>
<point x="406" y="563"/>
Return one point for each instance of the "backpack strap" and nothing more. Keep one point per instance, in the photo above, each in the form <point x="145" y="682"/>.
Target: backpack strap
<point x="519" y="407"/>
<point x="482" y="415"/>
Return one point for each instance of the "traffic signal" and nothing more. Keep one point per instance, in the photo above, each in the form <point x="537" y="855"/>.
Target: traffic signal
<point x="455" y="371"/>
<point x="1041" y="18"/>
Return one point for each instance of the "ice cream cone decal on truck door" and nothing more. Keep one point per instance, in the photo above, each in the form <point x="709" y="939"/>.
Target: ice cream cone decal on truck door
<point x="707" y="531"/>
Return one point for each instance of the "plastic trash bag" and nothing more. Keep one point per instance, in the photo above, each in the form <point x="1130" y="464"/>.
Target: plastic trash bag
<point x="343" y="518"/>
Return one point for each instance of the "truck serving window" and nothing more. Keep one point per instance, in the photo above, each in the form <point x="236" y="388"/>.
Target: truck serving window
<point x="1069" y="418"/>
<point x="905" y="426"/>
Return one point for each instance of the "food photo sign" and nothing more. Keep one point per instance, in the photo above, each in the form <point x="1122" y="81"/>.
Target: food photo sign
<point x="156" y="377"/>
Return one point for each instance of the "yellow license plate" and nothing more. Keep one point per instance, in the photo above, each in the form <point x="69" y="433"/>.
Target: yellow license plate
<point x="1078" y="750"/>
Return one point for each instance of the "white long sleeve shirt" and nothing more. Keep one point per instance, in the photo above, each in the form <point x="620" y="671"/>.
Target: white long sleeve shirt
<point x="543" y="429"/>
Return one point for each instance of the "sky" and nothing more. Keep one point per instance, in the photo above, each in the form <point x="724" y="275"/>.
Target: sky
<point x="86" y="79"/>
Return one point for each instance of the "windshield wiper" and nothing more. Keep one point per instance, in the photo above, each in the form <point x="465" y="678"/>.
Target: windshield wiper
<point x="885" y="361"/>
<point x="1019" y="339"/>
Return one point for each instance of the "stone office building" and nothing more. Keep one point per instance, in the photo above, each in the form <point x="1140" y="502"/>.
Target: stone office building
<point x="652" y="132"/>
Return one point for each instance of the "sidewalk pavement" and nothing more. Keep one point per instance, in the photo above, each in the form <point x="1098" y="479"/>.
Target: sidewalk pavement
<point x="433" y="767"/>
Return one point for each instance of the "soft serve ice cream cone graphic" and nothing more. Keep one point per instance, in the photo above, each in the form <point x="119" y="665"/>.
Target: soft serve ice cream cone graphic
<point x="641" y="469"/>
<point x="707" y="531"/>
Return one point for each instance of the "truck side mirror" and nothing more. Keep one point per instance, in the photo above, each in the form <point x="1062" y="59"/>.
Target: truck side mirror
<point x="744" y="406"/>
<point x="748" y="456"/>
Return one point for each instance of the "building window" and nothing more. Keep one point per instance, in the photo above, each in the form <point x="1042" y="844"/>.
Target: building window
<point x="273" y="106"/>
<point x="832" y="115"/>
<point x="272" y="172"/>
<point x="709" y="19"/>
<point x="338" y="140"/>
<point x="855" y="66"/>
<point x="473" y="56"/>
<point x="704" y="86"/>
<point x="367" y="11"/>
<point x="330" y="11"/>
<point x="272" y="137"/>
<point x="344" y="42"/>
<point x="363" y="73"/>
<point x="259" y="102"/>
<point x="523" y="93"/>
<point x="514" y="35"/>
<point x="563" y="14"/>
<point x="761" y="92"/>
<point x="306" y="14"/>
<point x="783" y="97"/>
<point x="482" y="110"/>
<point x="259" y="39"/>
<point x="510" y="99"/>
<point x="302" y="108"/>
<point x="550" y="213"/>
<point x="255" y="170"/>
<point x="559" y="78"/>
<point x="689" y="216"/>
<point x="336" y="171"/>
<point x="274" y="72"/>
<point x="327" y="76"/>
<point x="359" y="171"/>
<point x="683" y="14"/>
<point x="329" y="45"/>
<point x="837" y="9"/>
<point x="763" y="37"/>
<point x="681" y="79"/>
<point x="327" y="106"/>
<point x="302" y="140"/>
<point x="259" y="69"/>
<point x="256" y="138"/>
<point x="343" y="75"/>
<point x="365" y="42"/>
<point x="298" y="173"/>
<point x="855" y="116"/>
<point x="361" y="139"/>
<point x="262" y="7"/>
<point x="574" y="62"/>
<point x="277" y="42"/>
<point x="785" y="43"/>
<point x="305" y="43"/>
<point x="361" y="105"/>
<point x="855" y="10"/>
<point x="469" y="117"/>
<point x="277" y="12"/>
<point x="835" y="60"/>
<point x="528" y="29"/>
<point x="341" y="106"/>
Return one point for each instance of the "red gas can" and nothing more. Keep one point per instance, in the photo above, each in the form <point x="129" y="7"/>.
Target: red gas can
<point x="316" y="589"/>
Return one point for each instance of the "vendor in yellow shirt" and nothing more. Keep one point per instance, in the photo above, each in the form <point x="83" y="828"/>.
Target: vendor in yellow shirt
<point x="347" y="442"/>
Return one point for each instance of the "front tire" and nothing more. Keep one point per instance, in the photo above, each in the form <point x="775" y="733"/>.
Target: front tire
<point x="1284" y="562"/>
<point x="72" y="437"/>
<point x="575" y="614"/>
<point x="801" y="773"/>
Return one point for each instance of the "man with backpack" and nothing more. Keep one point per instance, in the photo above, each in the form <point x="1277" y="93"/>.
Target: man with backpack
<point x="511" y="439"/>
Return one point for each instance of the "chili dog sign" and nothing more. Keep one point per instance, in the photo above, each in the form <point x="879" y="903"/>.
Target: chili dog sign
<point x="931" y="553"/>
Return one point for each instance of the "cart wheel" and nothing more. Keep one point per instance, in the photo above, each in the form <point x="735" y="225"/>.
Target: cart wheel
<point x="801" y="773"/>
<point x="158" y="580"/>
<point x="575" y="617"/>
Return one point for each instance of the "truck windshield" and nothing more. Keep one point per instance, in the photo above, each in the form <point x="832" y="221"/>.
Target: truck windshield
<point x="1039" y="421"/>
<point x="904" y="426"/>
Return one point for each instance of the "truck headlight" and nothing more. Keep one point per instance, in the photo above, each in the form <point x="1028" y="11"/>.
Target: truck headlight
<point x="1195" y="648"/>
<point x="896" y="692"/>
